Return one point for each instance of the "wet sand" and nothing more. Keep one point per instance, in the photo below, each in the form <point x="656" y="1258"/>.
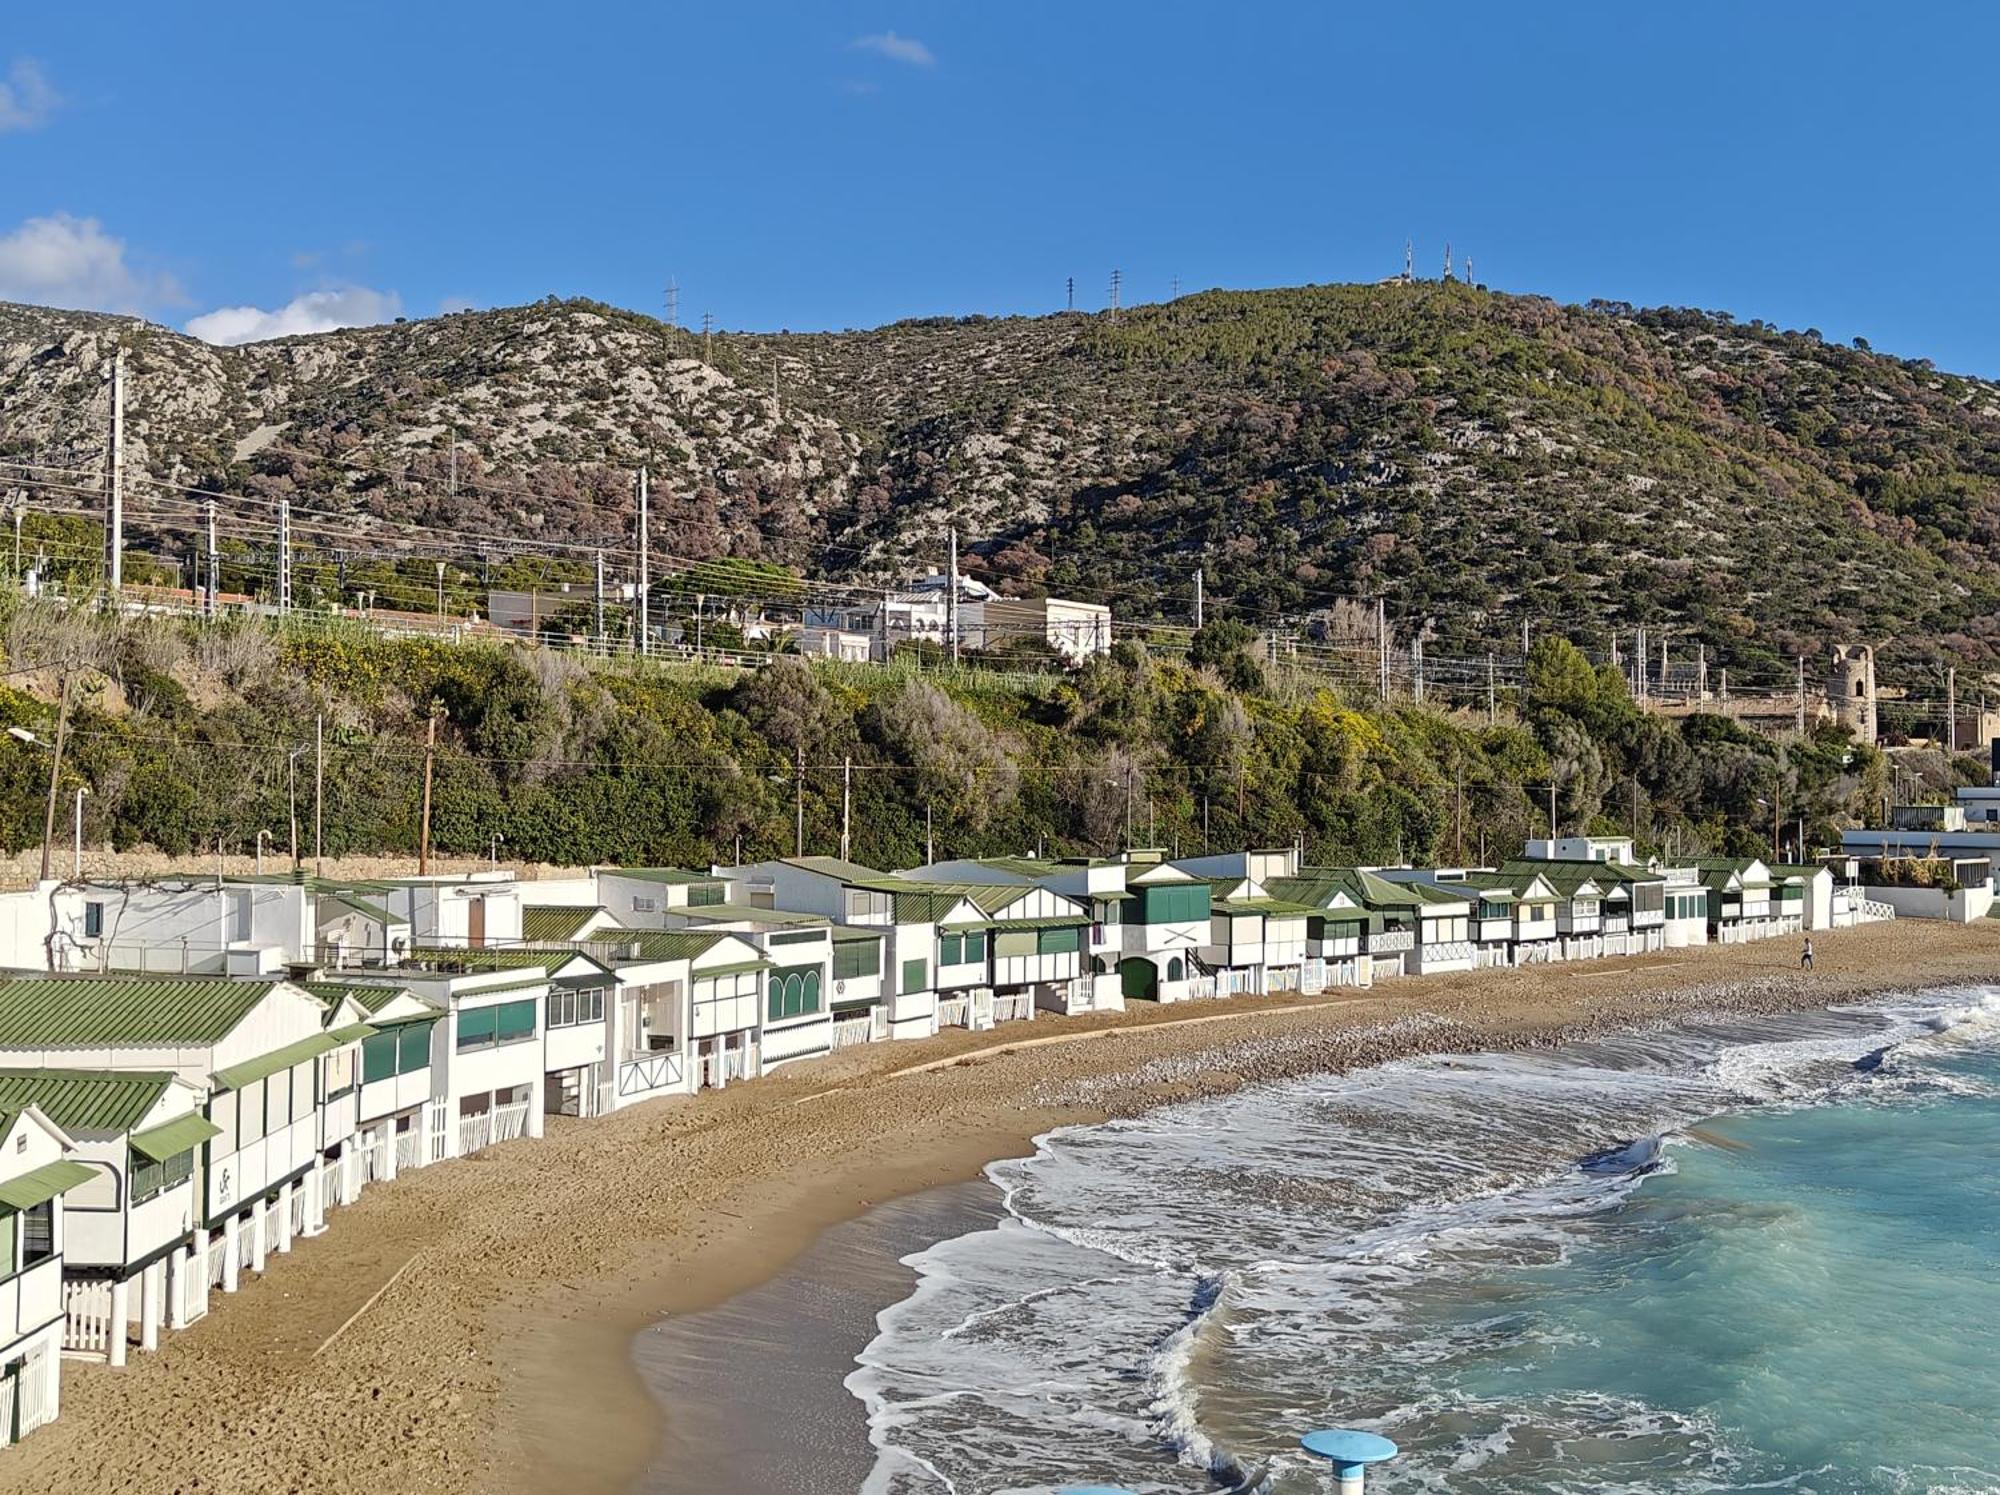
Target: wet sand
<point x="757" y="1382"/>
<point x="502" y="1359"/>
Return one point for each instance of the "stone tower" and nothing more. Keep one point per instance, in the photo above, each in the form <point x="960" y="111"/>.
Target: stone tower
<point x="1850" y="689"/>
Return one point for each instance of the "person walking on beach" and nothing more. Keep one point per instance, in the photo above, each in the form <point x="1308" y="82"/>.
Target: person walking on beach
<point x="1805" y="955"/>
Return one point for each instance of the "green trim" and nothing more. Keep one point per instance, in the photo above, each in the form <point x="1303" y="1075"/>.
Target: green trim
<point x="40" y="1185"/>
<point x="171" y="1138"/>
<point x="353" y="1032"/>
<point x="735" y="969"/>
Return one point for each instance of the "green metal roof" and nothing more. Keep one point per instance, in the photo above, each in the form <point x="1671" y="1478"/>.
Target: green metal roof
<point x="614" y="946"/>
<point x="370" y="911"/>
<point x="746" y="913"/>
<point x="370" y="997"/>
<point x="925" y="906"/>
<point x="672" y="876"/>
<point x="1278" y="906"/>
<point x="236" y="1076"/>
<point x="1065" y="921"/>
<point x="172" y="1138"/>
<point x="351" y="1033"/>
<point x="556" y="923"/>
<point x="84" y="1100"/>
<point x="39" y="1185"/>
<point x="834" y="867"/>
<point x="136" y="1012"/>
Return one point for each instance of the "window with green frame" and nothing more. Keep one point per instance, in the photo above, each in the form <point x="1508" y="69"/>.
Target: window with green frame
<point x="916" y="974"/>
<point x="705" y="894"/>
<point x="413" y="1047"/>
<point x="793" y="993"/>
<point x="951" y="949"/>
<point x="509" y="1022"/>
<point x="1056" y="941"/>
<point x="150" y="1179"/>
<point x="1173" y="904"/>
<point x="378" y="1057"/>
<point x="975" y="945"/>
<point x="856" y="958"/>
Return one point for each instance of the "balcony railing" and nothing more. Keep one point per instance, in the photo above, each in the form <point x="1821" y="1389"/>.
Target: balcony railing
<point x="1389" y="941"/>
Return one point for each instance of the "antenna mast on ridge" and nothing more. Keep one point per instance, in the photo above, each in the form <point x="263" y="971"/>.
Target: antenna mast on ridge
<point x="1447" y="259"/>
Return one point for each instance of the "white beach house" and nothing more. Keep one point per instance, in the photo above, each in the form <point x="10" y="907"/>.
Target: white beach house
<point x="36" y="1170"/>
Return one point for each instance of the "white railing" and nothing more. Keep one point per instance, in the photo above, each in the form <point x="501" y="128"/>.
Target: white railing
<point x="1446" y="950"/>
<point x="330" y="1193"/>
<point x="1312" y="976"/>
<point x="1389" y="941"/>
<point x="954" y="1012"/>
<point x="607" y="1099"/>
<point x="298" y="1213"/>
<point x="1014" y="1008"/>
<point x="409" y="1149"/>
<point x="373" y="1163"/>
<point x="510" y="1122"/>
<point x="1615" y="944"/>
<point x="1583" y="947"/>
<point x="1199" y="988"/>
<point x="1871" y="910"/>
<point x="645" y="1074"/>
<point x="87" y="1318"/>
<point x="474" y="1132"/>
<point x="440" y="1129"/>
<point x="848" y="1031"/>
<point x="1490" y="957"/>
<point x="735" y="1064"/>
<point x="246" y="1242"/>
<point x="1537" y="953"/>
<point x="218" y="1260"/>
<point x="191" y="1282"/>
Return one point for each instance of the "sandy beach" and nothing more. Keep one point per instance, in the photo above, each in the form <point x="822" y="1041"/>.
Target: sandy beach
<point x="471" y="1327"/>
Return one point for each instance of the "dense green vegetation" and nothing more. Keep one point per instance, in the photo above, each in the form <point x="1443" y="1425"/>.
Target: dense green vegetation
<point x="186" y="736"/>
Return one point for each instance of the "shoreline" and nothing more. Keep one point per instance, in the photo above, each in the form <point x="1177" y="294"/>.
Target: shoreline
<point x="502" y="1357"/>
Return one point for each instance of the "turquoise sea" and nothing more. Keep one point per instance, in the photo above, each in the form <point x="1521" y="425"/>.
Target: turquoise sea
<point x="1715" y="1256"/>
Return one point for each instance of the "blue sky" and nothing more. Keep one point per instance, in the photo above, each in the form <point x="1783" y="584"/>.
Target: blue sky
<point x="246" y="168"/>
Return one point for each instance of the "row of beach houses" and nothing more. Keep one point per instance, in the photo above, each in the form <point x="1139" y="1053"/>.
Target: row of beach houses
<point x="197" y="1072"/>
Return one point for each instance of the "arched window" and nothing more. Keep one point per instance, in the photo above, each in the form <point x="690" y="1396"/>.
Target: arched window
<point x="1858" y="691"/>
<point x="812" y="992"/>
<point x="1175" y="969"/>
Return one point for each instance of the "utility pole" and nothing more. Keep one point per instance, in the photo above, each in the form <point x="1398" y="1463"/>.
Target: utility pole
<point x="319" y="791"/>
<point x="55" y="765"/>
<point x="707" y="337"/>
<point x="284" y="558"/>
<point x="1197" y="597"/>
<point x="599" y="593"/>
<point x="673" y="303"/>
<point x="846" y="806"/>
<point x="114" y="527"/>
<point x="1461" y="812"/>
<point x="645" y="573"/>
<point x="799" y="784"/>
<point x="1524" y="640"/>
<point x="292" y="798"/>
<point x="930" y="843"/>
<point x="19" y="507"/>
<point x="214" y="599"/>
<point x="453" y="483"/>
<point x="1417" y="666"/>
<point x="1802" y="705"/>
<point x="440" y="591"/>
<point x="1382" y="647"/>
<point x="1117" y="279"/>
<point x="424" y="832"/>
<point x="1951" y="708"/>
<point x="951" y="599"/>
<point x="1552" y="811"/>
<point x="1128" y="807"/>
<point x="1072" y="293"/>
<point x="1701" y="672"/>
<point x="777" y="398"/>
<point x="1492" y="701"/>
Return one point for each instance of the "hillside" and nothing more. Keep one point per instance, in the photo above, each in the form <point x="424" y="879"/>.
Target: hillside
<point x="1477" y="459"/>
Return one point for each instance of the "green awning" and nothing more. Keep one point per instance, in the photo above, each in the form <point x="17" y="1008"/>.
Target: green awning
<point x="733" y="970"/>
<point x="236" y="1076"/>
<point x="353" y="1032"/>
<point x="172" y="1138"/>
<point x="1067" y="921"/>
<point x="39" y="1185"/>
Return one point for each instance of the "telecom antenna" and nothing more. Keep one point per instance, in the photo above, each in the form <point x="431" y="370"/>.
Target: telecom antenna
<point x="1447" y="259"/>
<point x="1468" y="270"/>
<point x="1409" y="260"/>
<point x="1117" y="279"/>
<point x="114" y="486"/>
<point x="284" y="558"/>
<point x="1177" y="288"/>
<point x="707" y="336"/>
<point x="673" y="302"/>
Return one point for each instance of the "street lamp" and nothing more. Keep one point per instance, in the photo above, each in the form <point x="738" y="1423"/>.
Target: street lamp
<point x="22" y="734"/>
<point x="493" y="850"/>
<point x="77" y="865"/>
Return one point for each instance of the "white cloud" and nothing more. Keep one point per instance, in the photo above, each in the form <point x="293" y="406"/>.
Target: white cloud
<point x="897" y="48"/>
<point x="72" y="262"/>
<point x="450" y="304"/>
<point x="26" y="98"/>
<point x="315" y="311"/>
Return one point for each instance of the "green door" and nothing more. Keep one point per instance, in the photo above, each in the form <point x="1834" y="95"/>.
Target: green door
<point x="1138" y="980"/>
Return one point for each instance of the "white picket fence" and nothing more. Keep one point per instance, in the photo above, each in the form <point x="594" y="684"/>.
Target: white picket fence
<point x="298" y="1212"/>
<point x="409" y="1149"/>
<point x="1016" y="1008"/>
<point x="474" y="1132"/>
<point x="954" y="1012"/>
<point x="218" y="1259"/>
<point x="87" y="1318"/>
<point x="848" y="1031"/>
<point x="510" y="1122"/>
